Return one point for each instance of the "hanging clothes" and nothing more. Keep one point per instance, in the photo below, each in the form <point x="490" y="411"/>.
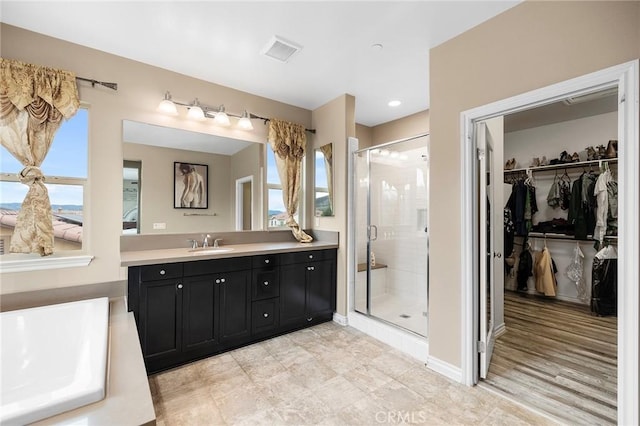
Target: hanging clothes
<point x="582" y="206"/>
<point x="602" y="206"/>
<point x="604" y="282"/>
<point x="525" y="265"/>
<point x="516" y="205"/>
<point x="508" y="239"/>
<point x="612" y="216"/>
<point x="544" y="273"/>
<point x="575" y="273"/>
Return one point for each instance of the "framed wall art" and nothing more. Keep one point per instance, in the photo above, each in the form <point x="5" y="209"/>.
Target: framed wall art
<point x="190" y="186"/>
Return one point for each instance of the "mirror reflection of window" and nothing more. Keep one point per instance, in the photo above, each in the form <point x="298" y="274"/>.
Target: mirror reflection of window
<point x="324" y="180"/>
<point x="131" y="197"/>
<point x="276" y="211"/>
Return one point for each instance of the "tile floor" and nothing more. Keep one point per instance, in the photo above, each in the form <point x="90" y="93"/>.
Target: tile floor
<point x="323" y="375"/>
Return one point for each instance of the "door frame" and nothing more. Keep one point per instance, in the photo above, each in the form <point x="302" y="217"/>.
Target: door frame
<point x="240" y="201"/>
<point x="625" y="77"/>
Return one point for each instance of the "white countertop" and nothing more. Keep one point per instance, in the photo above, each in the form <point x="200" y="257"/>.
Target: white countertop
<point x="151" y="257"/>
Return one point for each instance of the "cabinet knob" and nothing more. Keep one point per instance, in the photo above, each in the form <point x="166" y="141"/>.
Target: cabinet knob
<point x="309" y="319"/>
<point x="266" y="315"/>
<point x="222" y="280"/>
<point x="310" y="256"/>
<point x="311" y="268"/>
<point x="162" y="272"/>
<point x="266" y="261"/>
<point x="218" y="281"/>
<point x="266" y="283"/>
<point x="179" y="286"/>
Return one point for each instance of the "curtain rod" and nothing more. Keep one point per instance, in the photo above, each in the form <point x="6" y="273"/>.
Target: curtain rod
<point x="113" y="86"/>
<point x="266" y="120"/>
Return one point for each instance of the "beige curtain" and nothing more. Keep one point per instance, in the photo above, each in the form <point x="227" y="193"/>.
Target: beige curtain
<point x="327" y="151"/>
<point x="33" y="101"/>
<point x="288" y="141"/>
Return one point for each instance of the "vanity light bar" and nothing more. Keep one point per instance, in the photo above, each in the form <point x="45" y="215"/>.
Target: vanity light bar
<point x="198" y="111"/>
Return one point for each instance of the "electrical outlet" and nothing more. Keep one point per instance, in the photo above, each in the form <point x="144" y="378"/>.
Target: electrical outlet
<point x="160" y="225"/>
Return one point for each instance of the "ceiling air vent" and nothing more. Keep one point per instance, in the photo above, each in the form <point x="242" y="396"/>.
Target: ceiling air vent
<point x="280" y="49"/>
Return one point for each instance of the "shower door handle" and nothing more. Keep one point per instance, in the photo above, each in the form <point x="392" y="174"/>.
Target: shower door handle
<point x="373" y="237"/>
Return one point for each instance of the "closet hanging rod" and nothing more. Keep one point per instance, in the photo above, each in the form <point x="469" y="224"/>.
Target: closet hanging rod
<point x="113" y="86"/>
<point x="563" y="166"/>
<point x="565" y="237"/>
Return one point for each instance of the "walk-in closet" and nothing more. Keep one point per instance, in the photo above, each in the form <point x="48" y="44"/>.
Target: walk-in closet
<point x="558" y="351"/>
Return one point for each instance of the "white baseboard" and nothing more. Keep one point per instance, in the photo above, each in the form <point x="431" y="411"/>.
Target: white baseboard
<point x="340" y="319"/>
<point x="444" y="368"/>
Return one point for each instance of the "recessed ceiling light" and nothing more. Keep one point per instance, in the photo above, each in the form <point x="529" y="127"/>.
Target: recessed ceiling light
<point x="377" y="46"/>
<point x="394" y="103"/>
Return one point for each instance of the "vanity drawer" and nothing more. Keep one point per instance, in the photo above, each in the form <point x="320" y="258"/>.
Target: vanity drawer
<point x="306" y="256"/>
<point x="265" y="261"/>
<point x="216" y="266"/>
<point x="265" y="284"/>
<point x="264" y="315"/>
<point x="161" y="272"/>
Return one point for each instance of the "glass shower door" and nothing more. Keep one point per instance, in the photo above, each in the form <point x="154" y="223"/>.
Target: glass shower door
<point x="391" y="233"/>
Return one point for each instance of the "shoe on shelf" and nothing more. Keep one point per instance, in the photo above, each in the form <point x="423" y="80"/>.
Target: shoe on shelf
<point x="575" y="157"/>
<point x="510" y="164"/>
<point x="602" y="152"/>
<point x="544" y="161"/>
<point x="591" y="153"/>
<point x="565" y="157"/>
<point x="535" y="162"/>
<point x="612" y="149"/>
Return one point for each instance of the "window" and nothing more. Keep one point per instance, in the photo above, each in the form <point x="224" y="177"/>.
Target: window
<point x="65" y="170"/>
<point x="276" y="212"/>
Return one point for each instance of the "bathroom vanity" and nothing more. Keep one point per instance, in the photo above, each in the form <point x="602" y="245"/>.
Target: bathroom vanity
<point x="189" y="305"/>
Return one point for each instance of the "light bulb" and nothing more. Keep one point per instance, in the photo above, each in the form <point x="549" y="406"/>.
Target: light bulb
<point x="245" y="121"/>
<point x="167" y="106"/>
<point x="195" y="112"/>
<point x="221" y="117"/>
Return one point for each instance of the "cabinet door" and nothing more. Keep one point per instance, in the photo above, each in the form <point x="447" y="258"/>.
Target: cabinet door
<point x="320" y="294"/>
<point x="293" y="293"/>
<point x="199" y="322"/>
<point x="161" y="318"/>
<point x="234" y="304"/>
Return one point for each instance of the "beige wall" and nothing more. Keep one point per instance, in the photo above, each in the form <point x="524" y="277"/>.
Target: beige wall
<point x="406" y="127"/>
<point x="532" y="45"/>
<point x="156" y="194"/>
<point x="364" y="135"/>
<point x="140" y="88"/>
<point x="334" y="123"/>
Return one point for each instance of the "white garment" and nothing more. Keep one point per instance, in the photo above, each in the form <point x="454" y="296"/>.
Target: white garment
<point x="602" y="202"/>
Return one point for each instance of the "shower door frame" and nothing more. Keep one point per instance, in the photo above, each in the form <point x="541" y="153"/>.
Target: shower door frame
<point x="353" y="261"/>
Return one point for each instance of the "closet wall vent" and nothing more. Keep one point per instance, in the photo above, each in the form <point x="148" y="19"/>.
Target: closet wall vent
<point x="280" y="49"/>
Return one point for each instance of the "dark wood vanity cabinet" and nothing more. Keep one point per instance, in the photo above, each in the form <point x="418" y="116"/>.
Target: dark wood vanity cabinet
<point x="190" y="310"/>
<point x="307" y="287"/>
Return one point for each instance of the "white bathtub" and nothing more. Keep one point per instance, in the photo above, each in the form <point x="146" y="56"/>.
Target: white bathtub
<point x="53" y="359"/>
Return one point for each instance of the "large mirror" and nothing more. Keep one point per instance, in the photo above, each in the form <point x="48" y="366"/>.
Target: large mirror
<point x="234" y="181"/>
<point x="323" y="180"/>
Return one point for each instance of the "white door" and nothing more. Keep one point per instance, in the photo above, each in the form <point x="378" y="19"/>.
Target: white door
<point x="490" y="210"/>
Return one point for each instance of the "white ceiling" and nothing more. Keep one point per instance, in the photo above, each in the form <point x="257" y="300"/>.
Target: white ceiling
<point x="220" y="42"/>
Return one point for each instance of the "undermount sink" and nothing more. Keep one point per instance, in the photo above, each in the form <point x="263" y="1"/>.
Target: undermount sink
<point x="210" y="250"/>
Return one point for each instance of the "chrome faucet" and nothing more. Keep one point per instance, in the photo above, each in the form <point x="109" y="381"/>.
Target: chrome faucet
<point x="194" y="244"/>
<point x="216" y="242"/>
<point x="205" y="242"/>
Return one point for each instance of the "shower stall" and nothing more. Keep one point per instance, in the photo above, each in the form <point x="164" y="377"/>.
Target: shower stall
<point x="390" y="192"/>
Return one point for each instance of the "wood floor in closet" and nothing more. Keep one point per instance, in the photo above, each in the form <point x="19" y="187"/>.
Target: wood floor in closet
<point x="558" y="358"/>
